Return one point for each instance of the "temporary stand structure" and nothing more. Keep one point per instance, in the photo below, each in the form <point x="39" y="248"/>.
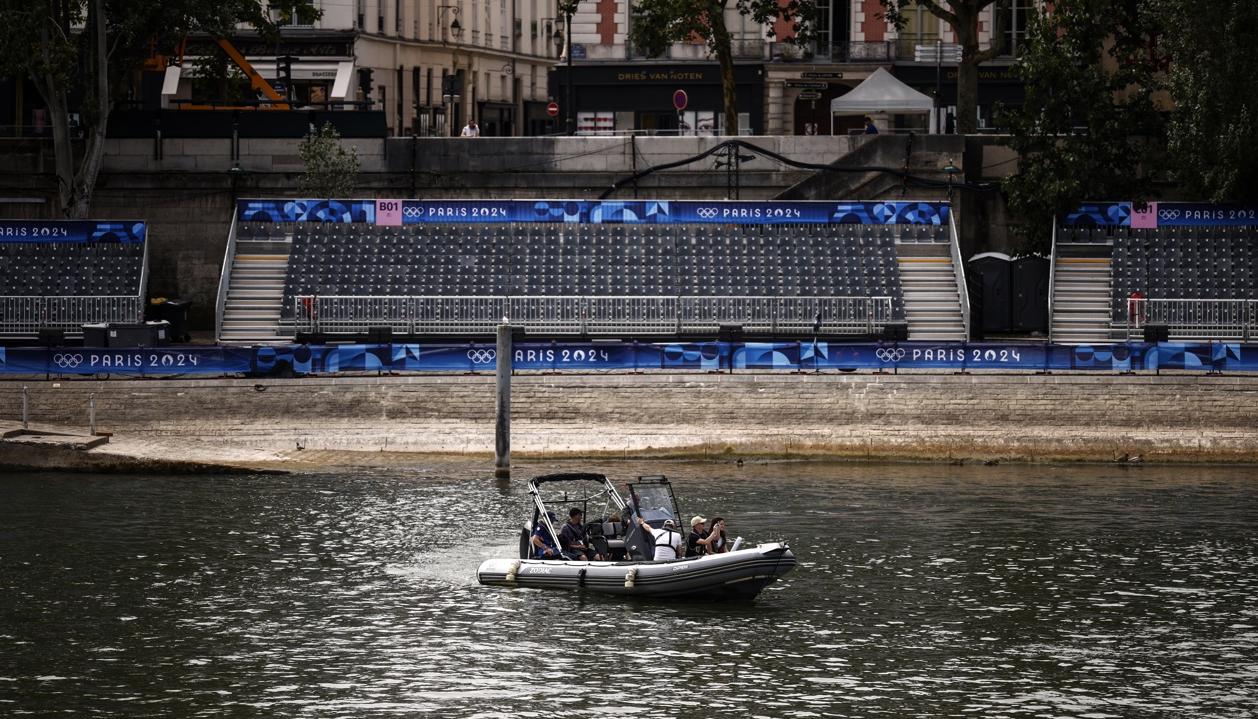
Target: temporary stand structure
<point x="881" y="93"/>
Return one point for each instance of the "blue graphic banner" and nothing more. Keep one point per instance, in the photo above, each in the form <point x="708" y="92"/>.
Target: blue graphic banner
<point x="72" y="231"/>
<point x="596" y="356"/>
<point x="1153" y="215"/>
<point x="641" y="212"/>
<point x="306" y="210"/>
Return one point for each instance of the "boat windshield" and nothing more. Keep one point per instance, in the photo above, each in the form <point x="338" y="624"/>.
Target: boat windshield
<point x="655" y="502"/>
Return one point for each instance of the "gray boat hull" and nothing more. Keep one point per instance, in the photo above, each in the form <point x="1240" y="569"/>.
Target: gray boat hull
<point x="737" y="575"/>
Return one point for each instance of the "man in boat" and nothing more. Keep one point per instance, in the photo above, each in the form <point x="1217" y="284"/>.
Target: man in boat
<point x="543" y="543"/>
<point x="667" y="539"/>
<point x="697" y="540"/>
<point x="573" y="540"/>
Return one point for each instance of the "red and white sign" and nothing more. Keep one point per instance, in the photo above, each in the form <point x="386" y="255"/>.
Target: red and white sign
<point x="553" y="109"/>
<point x="680" y="100"/>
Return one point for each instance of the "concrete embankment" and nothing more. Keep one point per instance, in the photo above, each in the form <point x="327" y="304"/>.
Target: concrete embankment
<point x="277" y="423"/>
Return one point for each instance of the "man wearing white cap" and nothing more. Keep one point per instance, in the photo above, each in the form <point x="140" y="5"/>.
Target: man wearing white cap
<point x="696" y="541"/>
<point x="667" y="539"/>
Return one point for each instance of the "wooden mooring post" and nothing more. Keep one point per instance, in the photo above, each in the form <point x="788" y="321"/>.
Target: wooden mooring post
<point x="502" y="423"/>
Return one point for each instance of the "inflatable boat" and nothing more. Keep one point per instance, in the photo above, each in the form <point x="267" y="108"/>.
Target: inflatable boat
<point x="613" y="533"/>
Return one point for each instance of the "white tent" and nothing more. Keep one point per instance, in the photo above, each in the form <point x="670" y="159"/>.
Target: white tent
<point x="881" y="92"/>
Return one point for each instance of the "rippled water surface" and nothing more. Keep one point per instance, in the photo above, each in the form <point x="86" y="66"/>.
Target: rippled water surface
<point x="922" y="591"/>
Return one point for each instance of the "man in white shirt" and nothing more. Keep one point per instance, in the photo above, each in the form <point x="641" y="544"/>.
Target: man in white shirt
<point x="470" y="129"/>
<point x="667" y="540"/>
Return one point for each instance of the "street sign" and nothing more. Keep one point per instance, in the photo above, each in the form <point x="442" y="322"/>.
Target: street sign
<point x="553" y="109"/>
<point x="680" y="100"/>
<point x="807" y="84"/>
<point x="821" y="75"/>
<point x="809" y="95"/>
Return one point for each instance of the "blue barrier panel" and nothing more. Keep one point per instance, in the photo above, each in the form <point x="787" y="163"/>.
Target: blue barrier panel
<point x="72" y="231"/>
<point x="1162" y="214"/>
<point x="603" y="356"/>
<point x="636" y="212"/>
<point x="131" y="361"/>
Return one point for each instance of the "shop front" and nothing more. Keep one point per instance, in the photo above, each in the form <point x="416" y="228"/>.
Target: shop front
<point x="997" y="85"/>
<point x="639" y="97"/>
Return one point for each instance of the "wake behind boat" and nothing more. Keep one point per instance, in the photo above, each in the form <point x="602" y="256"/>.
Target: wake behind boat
<point x="627" y="547"/>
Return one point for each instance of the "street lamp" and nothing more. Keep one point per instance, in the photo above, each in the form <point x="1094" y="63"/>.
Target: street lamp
<point x="569" y="8"/>
<point x="951" y="171"/>
<point x="456" y="29"/>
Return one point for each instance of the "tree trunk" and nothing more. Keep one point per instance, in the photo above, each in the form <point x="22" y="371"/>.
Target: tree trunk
<point x="967" y="72"/>
<point x="94" y="151"/>
<point x="725" y="56"/>
<point x="76" y="181"/>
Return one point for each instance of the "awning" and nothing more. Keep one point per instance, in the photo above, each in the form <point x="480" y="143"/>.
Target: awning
<point x="881" y="92"/>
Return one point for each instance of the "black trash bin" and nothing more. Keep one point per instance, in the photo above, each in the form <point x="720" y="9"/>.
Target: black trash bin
<point x="176" y="313"/>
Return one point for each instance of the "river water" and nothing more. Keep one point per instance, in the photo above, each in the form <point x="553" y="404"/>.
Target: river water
<point x="922" y="590"/>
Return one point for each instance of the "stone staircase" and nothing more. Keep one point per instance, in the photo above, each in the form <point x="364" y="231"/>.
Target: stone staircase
<point x="1081" y="311"/>
<point x="255" y="293"/>
<point x="932" y="305"/>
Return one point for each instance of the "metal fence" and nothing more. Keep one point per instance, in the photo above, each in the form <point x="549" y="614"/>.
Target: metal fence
<point x="23" y="316"/>
<point x="1195" y="319"/>
<point x="582" y="315"/>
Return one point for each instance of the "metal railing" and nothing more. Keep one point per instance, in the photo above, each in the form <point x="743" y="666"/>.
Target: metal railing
<point x="26" y="315"/>
<point x="958" y="270"/>
<point x="224" y="277"/>
<point x="1194" y="319"/>
<point x="588" y="315"/>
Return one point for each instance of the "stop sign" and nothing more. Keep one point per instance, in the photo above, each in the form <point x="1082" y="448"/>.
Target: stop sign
<point x="553" y="109"/>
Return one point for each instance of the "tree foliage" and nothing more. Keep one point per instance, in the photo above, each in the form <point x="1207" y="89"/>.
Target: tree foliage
<point x="657" y="24"/>
<point x="1213" y="80"/>
<point x="88" y="49"/>
<point x="962" y="16"/>
<point x="331" y="170"/>
<point x="1089" y="127"/>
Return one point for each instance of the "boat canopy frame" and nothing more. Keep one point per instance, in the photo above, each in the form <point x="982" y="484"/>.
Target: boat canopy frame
<point x="541" y="510"/>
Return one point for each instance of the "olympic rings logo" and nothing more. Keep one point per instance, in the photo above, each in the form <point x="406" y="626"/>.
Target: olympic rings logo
<point x="67" y="361"/>
<point x="1168" y="214"/>
<point x="482" y="356"/>
<point x="411" y="211"/>
<point x="707" y="213"/>
<point x="886" y="354"/>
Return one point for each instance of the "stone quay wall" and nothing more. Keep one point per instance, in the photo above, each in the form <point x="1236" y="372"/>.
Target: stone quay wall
<point x="1189" y="418"/>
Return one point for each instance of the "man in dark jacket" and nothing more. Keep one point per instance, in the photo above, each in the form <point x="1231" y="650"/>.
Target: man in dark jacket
<point x="573" y="540"/>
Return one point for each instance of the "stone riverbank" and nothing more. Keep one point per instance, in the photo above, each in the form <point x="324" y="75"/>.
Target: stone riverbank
<point x="306" y="422"/>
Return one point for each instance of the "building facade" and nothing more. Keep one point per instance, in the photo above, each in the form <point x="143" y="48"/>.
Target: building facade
<point x="781" y="88"/>
<point x="429" y="65"/>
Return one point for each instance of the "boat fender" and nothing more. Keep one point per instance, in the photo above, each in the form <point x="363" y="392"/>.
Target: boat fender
<point x="738" y="542"/>
<point x="630" y="577"/>
<point x="512" y="571"/>
<point x="581" y="577"/>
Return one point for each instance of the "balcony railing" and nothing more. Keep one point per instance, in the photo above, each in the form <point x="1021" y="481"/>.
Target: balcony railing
<point x="591" y="315"/>
<point x="1194" y="319"/>
<point x="25" y="315"/>
<point x="856" y="52"/>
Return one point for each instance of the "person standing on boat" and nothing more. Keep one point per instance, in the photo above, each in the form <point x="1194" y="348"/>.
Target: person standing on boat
<point x="573" y="540"/>
<point x="667" y="539"/>
<point x="542" y="541"/>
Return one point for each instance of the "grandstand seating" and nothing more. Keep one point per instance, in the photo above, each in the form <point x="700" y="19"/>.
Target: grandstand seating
<point x="1195" y="277"/>
<point x="60" y="284"/>
<point x="592" y="260"/>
